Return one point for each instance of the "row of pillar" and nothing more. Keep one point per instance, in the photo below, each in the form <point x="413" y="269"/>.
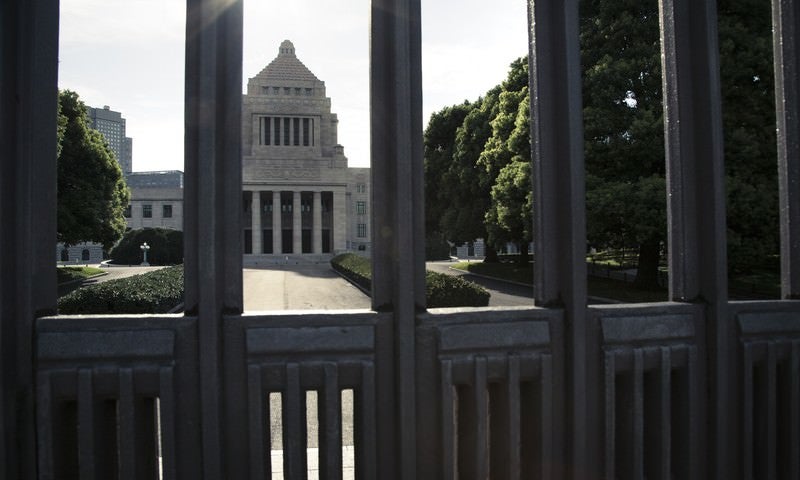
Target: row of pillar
<point x="297" y="223"/>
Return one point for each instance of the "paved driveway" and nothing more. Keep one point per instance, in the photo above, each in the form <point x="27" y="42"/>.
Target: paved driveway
<point x="299" y="287"/>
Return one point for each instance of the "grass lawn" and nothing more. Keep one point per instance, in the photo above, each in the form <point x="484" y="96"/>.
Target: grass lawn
<point x="598" y="287"/>
<point x="68" y="274"/>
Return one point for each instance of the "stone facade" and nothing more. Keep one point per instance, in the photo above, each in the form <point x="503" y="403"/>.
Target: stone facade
<point x="299" y="196"/>
<point x="155" y="207"/>
<point x="81" y="254"/>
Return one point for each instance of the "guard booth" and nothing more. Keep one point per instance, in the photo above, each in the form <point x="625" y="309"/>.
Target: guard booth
<point x="697" y="387"/>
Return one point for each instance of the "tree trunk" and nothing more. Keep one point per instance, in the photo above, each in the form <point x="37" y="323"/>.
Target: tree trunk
<point x="523" y="253"/>
<point x="491" y="254"/>
<point x="647" y="271"/>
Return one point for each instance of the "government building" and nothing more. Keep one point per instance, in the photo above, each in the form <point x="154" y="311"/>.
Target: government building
<point x="299" y="196"/>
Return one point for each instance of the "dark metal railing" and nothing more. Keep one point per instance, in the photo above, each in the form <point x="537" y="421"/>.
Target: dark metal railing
<point x="699" y="387"/>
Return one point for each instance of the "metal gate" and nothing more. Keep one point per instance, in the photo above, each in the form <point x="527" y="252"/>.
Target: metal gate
<point x="692" y="388"/>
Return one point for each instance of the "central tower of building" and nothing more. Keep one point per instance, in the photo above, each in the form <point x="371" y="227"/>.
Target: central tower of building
<point x="299" y="196"/>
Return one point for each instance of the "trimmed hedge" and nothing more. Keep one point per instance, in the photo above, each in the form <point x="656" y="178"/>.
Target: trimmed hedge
<point x="153" y="292"/>
<point x="166" y="247"/>
<point x="440" y="290"/>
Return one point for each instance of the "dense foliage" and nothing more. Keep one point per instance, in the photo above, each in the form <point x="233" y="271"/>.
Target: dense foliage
<point x="441" y="290"/>
<point x="92" y="194"/>
<point x="153" y="292"/>
<point x="478" y="171"/>
<point x="166" y="247"/>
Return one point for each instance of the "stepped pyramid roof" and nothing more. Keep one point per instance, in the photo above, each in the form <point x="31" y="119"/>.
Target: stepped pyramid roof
<point x="287" y="66"/>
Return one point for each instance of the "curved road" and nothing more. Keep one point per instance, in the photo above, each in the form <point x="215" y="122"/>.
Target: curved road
<point x="504" y="294"/>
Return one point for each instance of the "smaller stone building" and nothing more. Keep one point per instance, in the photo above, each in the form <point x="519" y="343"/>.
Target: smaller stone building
<point x="80" y="254"/>
<point x="156" y="200"/>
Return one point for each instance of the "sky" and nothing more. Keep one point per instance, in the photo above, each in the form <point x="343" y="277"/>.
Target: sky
<point x="129" y="55"/>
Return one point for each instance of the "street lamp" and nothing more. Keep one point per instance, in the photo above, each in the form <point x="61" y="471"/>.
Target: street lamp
<point x="145" y="247"/>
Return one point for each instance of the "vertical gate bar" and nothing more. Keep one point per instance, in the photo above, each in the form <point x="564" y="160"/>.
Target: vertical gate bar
<point x="794" y="416"/>
<point x="546" y="414"/>
<point x="696" y="202"/>
<point x="747" y="410"/>
<point x="398" y="258"/>
<point x="86" y="440"/>
<point x="127" y="426"/>
<point x="449" y="459"/>
<point x="514" y="412"/>
<point x="295" y="463"/>
<point x="786" y="51"/>
<point x="330" y="426"/>
<point x="559" y="213"/>
<point x="638" y="414"/>
<point x="665" y="427"/>
<point x="212" y="202"/>
<point x="44" y="427"/>
<point x="611" y="414"/>
<point x="166" y="404"/>
<point x="481" y="398"/>
<point x="259" y="453"/>
<point x="697" y="408"/>
<point x="771" y="414"/>
<point x="365" y="426"/>
<point x="28" y="120"/>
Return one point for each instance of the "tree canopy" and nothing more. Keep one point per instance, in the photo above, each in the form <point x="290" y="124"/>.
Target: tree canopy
<point x="476" y="171"/>
<point x="92" y="194"/>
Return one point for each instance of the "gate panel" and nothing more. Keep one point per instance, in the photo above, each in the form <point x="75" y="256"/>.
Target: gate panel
<point x="492" y="379"/>
<point x="769" y="382"/>
<point x="278" y="362"/>
<point x="114" y="397"/>
<point x="652" y="368"/>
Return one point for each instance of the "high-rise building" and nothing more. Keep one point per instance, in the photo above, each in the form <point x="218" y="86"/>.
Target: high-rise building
<point x="112" y="126"/>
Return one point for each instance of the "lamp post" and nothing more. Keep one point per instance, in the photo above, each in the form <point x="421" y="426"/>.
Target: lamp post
<point x="145" y="247"/>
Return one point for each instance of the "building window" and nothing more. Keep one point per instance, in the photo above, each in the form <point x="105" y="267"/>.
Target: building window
<point x="85" y="255"/>
<point x="265" y="90"/>
<point x="275" y="90"/>
<point x="362" y="230"/>
<point x="361" y="188"/>
<point x="296" y="122"/>
<point x="128" y="212"/>
<point x="361" y="208"/>
<point x="147" y="211"/>
<point x="265" y="129"/>
<point x="306" y="129"/>
<point x="286" y="130"/>
<point x="297" y="91"/>
<point x="166" y="211"/>
<point x="309" y="91"/>
<point x="277" y="126"/>
<point x="65" y="255"/>
<point x="287" y="91"/>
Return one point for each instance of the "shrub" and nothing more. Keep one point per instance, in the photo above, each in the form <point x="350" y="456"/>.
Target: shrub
<point x="355" y="268"/>
<point x="166" y="247"/>
<point x="152" y="292"/>
<point x="443" y="290"/>
<point x="440" y="290"/>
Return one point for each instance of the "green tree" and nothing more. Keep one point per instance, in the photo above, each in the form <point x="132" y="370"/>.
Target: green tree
<point x="509" y="217"/>
<point x="92" y="194"/>
<point x="748" y="118"/>
<point x="439" y="143"/>
<point x="624" y="133"/>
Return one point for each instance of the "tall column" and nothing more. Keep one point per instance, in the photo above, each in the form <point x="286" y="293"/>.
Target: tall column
<point x="297" y="224"/>
<point x="339" y="220"/>
<point x="255" y="234"/>
<point x="317" y="228"/>
<point x="277" y="248"/>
